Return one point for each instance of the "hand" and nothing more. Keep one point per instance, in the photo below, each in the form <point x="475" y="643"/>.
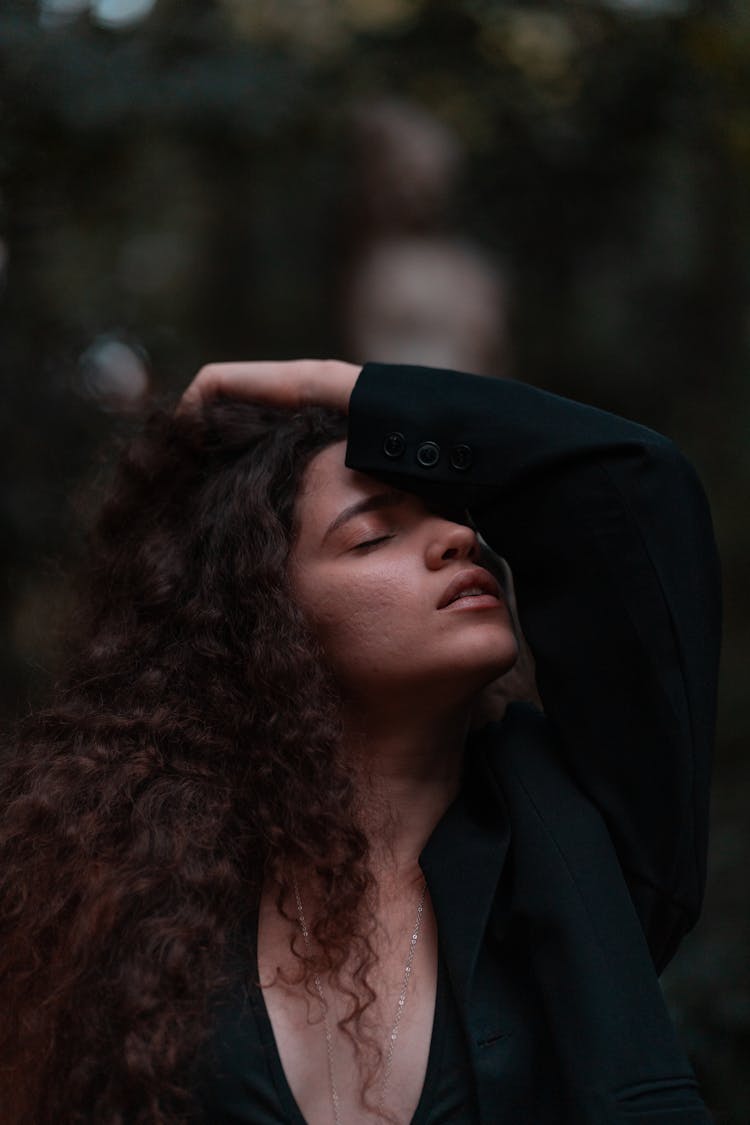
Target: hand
<point x="289" y="383"/>
<point x="519" y="683"/>
<point x="516" y="686"/>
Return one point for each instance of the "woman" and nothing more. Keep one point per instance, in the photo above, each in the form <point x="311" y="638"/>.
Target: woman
<point x="282" y="759"/>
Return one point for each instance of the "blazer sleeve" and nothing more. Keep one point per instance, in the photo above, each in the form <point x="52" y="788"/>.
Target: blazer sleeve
<point x="608" y="533"/>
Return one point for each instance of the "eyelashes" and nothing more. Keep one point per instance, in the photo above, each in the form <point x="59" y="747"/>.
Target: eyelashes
<point x="372" y="542"/>
<point x="455" y="515"/>
<point x="451" y="512"/>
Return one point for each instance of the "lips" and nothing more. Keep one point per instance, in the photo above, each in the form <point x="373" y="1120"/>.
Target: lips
<point x="476" y="578"/>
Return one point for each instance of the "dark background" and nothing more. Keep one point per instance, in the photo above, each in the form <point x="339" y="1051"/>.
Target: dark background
<point x="553" y="192"/>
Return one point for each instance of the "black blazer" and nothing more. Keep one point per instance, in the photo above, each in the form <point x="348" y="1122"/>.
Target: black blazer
<point x="566" y="874"/>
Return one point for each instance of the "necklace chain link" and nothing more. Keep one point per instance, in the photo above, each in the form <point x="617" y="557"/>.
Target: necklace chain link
<point x="401" y="1004"/>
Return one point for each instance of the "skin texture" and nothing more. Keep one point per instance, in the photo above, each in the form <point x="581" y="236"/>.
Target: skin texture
<point x="372" y="588"/>
<point x="410" y="674"/>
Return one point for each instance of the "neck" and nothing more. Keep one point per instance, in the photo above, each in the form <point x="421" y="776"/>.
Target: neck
<point x="410" y="773"/>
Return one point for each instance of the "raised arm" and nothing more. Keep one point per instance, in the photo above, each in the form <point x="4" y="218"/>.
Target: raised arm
<point x="608" y="533"/>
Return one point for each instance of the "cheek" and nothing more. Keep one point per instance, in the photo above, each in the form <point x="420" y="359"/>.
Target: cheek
<point x="358" y="618"/>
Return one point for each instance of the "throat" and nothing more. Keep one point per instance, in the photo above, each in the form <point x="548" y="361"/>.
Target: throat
<point x="402" y="795"/>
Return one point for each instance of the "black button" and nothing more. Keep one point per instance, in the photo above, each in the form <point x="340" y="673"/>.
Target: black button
<point x="428" y="454"/>
<point x="394" y="445"/>
<point x="461" y="457"/>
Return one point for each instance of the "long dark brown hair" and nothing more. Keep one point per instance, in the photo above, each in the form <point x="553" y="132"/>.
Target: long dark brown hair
<point x="192" y="749"/>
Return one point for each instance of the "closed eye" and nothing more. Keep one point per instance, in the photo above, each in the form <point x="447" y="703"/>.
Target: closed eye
<point x="372" y="542"/>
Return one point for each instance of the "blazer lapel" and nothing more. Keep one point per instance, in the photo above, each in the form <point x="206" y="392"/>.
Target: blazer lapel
<point x="462" y="862"/>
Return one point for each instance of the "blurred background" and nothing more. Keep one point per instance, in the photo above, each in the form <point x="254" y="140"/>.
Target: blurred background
<point x="554" y="192"/>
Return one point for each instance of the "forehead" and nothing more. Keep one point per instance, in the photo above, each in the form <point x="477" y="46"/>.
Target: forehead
<point x="328" y="485"/>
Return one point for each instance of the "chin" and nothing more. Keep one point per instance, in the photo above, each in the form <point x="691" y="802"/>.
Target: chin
<point x="470" y="681"/>
<point x="494" y="660"/>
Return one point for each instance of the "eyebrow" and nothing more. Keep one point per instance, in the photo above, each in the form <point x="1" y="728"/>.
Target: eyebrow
<point x="368" y="504"/>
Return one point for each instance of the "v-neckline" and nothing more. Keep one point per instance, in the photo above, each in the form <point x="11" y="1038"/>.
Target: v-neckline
<point x="281" y="1082"/>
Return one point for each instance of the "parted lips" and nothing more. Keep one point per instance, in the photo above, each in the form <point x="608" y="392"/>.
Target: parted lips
<point x="475" y="579"/>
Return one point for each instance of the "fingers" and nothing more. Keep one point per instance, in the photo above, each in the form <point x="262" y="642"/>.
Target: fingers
<point x="257" y="381"/>
<point x="285" y="383"/>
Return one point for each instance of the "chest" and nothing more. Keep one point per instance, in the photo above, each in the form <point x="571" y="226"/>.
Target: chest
<point x="323" y="1049"/>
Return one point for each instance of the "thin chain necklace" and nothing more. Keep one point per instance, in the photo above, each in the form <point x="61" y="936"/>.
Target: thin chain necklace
<point x="335" y="1104"/>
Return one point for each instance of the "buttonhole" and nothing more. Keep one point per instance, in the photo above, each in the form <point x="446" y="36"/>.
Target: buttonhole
<point x="490" y="1039"/>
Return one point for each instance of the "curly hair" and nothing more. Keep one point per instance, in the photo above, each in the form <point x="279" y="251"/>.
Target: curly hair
<point x="191" y="750"/>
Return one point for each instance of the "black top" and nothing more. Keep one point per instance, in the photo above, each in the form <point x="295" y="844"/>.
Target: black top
<point x="241" y="1078"/>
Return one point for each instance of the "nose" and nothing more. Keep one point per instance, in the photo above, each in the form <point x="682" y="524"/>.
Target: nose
<point x="449" y="540"/>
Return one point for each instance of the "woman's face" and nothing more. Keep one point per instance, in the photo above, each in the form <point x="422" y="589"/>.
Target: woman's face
<point x="371" y="568"/>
